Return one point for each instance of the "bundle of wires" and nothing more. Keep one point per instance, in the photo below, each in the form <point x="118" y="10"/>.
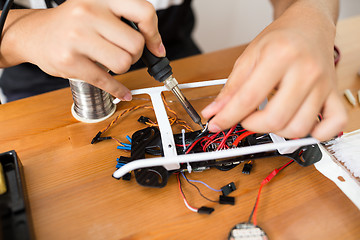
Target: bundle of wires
<point x="220" y="140"/>
<point x="206" y="210"/>
<point x="172" y="119"/>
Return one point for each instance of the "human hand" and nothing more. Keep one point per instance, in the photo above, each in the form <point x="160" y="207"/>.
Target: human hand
<point x="295" y="57"/>
<point x="68" y="41"/>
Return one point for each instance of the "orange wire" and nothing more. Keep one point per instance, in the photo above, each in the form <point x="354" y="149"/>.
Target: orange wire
<point x="172" y="120"/>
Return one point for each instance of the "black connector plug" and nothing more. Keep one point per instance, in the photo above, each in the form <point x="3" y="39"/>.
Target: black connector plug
<point x="205" y="210"/>
<point x="143" y="120"/>
<point x="95" y="139"/>
<point x="247" y="168"/>
<point x="229" y="188"/>
<point x="226" y="200"/>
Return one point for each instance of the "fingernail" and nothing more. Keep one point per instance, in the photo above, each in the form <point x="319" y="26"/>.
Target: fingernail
<point x="214" y="127"/>
<point x="128" y="96"/>
<point x="162" y="50"/>
<point x="208" y="109"/>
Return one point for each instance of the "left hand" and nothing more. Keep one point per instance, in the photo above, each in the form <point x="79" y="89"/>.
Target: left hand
<point x="293" y="55"/>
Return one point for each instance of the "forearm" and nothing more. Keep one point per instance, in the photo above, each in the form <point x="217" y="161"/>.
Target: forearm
<point x="330" y="8"/>
<point x="315" y="19"/>
<point x="14" y="36"/>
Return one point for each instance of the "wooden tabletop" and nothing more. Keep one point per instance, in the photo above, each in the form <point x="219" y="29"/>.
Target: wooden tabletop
<point x="72" y="193"/>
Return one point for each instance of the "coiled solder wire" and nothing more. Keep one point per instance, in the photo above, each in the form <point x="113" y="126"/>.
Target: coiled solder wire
<point x="90" y="102"/>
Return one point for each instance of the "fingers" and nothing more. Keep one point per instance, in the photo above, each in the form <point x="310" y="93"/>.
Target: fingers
<point x="304" y="120"/>
<point x="121" y="35"/>
<point x="144" y="15"/>
<point x="85" y="69"/>
<point x="241" y="72"/>
<point x="334" y="118"/>
<point x="250" y="94"/>
<point x="294" y="88"/>
<point x="111" y="56"/>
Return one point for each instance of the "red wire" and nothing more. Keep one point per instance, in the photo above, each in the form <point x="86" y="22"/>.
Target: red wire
<point x="221" y="145"/>
<point x="265" y="181"/>
<point x="181" y="192"/>
<point x="193" y="145"/>
<point x="256" y="204"/>
<point x="241" y="137"/>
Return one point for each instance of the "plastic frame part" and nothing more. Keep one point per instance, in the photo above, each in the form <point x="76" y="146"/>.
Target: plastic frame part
<point x="171" y="160"/>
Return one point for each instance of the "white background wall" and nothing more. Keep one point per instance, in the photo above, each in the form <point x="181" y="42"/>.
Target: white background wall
<point x="226" y="23"/>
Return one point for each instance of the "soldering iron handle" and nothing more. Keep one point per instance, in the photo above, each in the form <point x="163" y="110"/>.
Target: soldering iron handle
<point x="158" y="67"/>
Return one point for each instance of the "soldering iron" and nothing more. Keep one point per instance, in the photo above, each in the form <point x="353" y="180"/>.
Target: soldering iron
<point x="159" y="68"/>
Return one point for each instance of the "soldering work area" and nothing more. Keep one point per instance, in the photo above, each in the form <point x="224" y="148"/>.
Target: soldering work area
<point x="168" y="148"/>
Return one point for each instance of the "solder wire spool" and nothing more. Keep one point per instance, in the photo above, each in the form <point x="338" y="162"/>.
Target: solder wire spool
<point x="91" y="104"/>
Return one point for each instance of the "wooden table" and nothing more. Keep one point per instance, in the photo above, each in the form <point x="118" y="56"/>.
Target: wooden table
<point x="73" y="196"/>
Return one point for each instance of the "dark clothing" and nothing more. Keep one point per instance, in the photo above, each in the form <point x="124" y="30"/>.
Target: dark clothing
<point x="175" y="25"/>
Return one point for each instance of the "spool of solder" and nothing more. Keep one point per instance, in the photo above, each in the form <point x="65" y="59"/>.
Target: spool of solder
<point x="2" y="181"/>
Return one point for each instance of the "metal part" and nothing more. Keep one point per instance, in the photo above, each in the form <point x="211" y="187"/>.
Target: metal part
<point x="91" y="104"/>
<point x="171" y="84"/>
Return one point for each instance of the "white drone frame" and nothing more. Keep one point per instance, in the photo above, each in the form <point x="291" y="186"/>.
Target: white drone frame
<point x="172" y="160"/>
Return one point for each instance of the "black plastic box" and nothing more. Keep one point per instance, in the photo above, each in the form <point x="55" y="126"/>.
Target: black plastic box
<point x="15" y="219"/>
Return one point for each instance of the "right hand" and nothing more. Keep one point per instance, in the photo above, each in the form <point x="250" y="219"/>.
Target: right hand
<point x="68" y="41"/>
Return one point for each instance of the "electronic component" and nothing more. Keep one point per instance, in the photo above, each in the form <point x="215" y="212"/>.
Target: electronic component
<point x="98" y="138"/>
<point x="228" y="188"/>
<point x="247" y="231"/>
<point x="148" y="140"/>
<point x="226" y="200"/>
<point x="143" y="119"/>
<point x="247" y="167"/>
<point x="205" y="210"/>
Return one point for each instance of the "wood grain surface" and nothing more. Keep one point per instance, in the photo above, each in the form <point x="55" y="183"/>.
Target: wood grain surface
<point x="73" y="196"/>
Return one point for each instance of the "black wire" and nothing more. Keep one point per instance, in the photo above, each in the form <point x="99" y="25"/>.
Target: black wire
<point x="252" y="212"/>
<point x="198" y="189"/>
<point x="181" y="186"/>
<point x="4" y="14"/>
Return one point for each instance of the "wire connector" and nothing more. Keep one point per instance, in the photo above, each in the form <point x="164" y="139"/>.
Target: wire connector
<point x="205" y="210"/>
<point x="226" y="200"/>
<point x="229" y="188"/>
<point x="97" y="138"/>
<point x="247" y="168"/>
<point x="143" y="120"/>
